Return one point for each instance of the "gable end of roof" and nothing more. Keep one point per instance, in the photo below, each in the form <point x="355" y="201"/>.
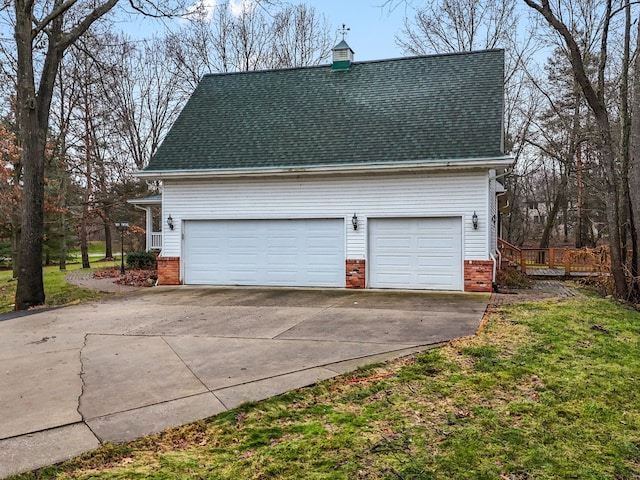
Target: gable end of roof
<point x="417" y="109"/>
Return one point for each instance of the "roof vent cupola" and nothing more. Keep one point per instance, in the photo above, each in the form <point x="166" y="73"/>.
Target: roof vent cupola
<point x="342" y="56"/>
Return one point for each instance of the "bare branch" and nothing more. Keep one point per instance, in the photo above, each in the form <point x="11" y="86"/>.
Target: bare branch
<point x="58" y="10"/>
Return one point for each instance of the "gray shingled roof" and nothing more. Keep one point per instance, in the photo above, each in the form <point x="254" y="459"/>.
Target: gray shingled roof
<point x="419" y="109"/>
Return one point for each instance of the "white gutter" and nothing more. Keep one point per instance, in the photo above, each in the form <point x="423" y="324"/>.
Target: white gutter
<point x="467" y="164"/>
<point x="138" y="202"/>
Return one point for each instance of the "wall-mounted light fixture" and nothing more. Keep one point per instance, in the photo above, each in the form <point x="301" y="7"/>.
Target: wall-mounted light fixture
<point x="170" y="222"/>
<point x="354" y="221"/>
<point x="474" y="220"/>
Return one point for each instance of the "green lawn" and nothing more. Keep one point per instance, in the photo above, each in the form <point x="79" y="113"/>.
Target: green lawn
<point x="57" y="291"/>
<point x="548" y="390"/>
<point x="96" y="249"/>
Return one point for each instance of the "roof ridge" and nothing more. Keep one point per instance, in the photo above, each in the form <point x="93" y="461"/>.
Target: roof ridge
<point x="361" y="62"/>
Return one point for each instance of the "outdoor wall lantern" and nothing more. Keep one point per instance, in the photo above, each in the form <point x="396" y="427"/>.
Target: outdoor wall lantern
<point x="354" y="221"/>
<point x="170" y="222"/>
<point x="474" y="220"/>
<point x="122" y="228"/>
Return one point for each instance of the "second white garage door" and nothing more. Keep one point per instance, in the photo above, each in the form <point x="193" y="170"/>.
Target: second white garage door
<point x="307" y="252"/>
<point x="416" y="253"/>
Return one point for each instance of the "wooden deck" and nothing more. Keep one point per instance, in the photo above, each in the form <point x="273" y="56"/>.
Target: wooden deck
<point x="554" y="272"/>
<point x="556" y="262"/>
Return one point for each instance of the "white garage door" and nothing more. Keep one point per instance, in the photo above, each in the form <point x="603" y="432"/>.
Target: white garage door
<point x="416" y="253"/>
<point x="306" y="252"/>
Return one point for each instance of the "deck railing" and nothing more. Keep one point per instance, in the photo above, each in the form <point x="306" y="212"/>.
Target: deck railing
<point x="156" y="241"/>
<point x="571" y="260"/>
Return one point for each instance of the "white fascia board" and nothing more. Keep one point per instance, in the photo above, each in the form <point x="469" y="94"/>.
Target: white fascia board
<point x="470" y="164"/>
<point x="145" y="202"/>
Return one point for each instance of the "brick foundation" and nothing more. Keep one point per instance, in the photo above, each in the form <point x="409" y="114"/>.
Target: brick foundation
<point x="169" y="271"/>
<point x="478" y="276"/>
<point x="355" y="273"/>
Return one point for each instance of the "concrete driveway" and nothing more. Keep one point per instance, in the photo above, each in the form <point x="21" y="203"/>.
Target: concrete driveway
<point x="130" y="365"/>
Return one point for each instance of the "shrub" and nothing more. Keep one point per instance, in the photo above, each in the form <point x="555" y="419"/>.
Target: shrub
<point x="142" y="260"/>
<point x="512" y="278"/>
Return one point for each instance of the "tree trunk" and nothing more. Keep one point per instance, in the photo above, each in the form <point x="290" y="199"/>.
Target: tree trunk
<point x="595" y="99"/>
<point x="33" y="123"/>
<point x="580" y="228"/>
<point x="627" y="224"/>
<point x="551" y="218"/>
<point x="84" y="244"/>
<point x="108" y="241"/>
<point x="634" y="157"/>
<point x="32" y="115"/>
<point x="613" y="221"/>
<point x="30" y="289"/>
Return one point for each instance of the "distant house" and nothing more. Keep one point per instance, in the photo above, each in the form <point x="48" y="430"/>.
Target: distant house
<point x="378" y="174"/>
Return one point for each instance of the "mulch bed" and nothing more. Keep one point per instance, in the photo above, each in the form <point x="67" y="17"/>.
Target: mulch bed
<point x="134" y="278"/>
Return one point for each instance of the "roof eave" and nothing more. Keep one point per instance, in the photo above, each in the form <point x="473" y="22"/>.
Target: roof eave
<point x="145" y="201"/>
<point x="468" y="164"/>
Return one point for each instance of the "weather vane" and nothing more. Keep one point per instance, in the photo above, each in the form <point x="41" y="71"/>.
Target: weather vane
<point x="344" y="30"/>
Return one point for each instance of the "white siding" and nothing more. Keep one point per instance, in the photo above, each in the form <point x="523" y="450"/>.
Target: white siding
<point x="409" y="195"/>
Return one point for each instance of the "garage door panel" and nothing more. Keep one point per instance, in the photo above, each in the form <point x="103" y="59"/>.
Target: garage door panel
<point x="288" y="261"/>
<point x="395" y="260"/>
<point x="398" y="243"/>
<point x="416" y="253"/>
<point x="321" y="242"/>
<point x="436" y="262"/>
<point x="280" y="242"/>
<point x="319" y="259"/>
<point x="306" y="252"/>
<point x="395" y="280"/>
<point x="435" y="243"/>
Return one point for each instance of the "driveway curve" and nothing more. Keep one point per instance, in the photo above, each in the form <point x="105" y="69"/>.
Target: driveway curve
<point x="135" y="364"/>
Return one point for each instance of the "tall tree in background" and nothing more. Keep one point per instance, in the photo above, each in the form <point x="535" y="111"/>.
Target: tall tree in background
<point x="594" y="94"/>
<point x="634" y="156"/>
<point x="259" y="35"/>
<point x="301" y="37"/>
<point x="563" y="131"/>
<point x="43" y="31"/>
<point x="449" y="26"/>
<point x="143" y="96"/>
<point x="459" y="26"/>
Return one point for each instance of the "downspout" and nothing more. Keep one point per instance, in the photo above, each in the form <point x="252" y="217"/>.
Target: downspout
<point x="493" y="276"/>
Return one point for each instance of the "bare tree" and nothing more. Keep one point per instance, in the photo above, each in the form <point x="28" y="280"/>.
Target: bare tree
<point x="634" y="157"/>
<point x="446" y="26"/>
<point x="301" y="37"/>
<point x="594" y="93"/>
<point x="142" y="95"/>
<point x="259" y="35"/>
<point x="43" y="31"/>
<point x="459" y="25"/>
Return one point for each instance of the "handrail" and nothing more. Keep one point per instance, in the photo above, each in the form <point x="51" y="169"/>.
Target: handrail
<point x="506" y="244"/>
